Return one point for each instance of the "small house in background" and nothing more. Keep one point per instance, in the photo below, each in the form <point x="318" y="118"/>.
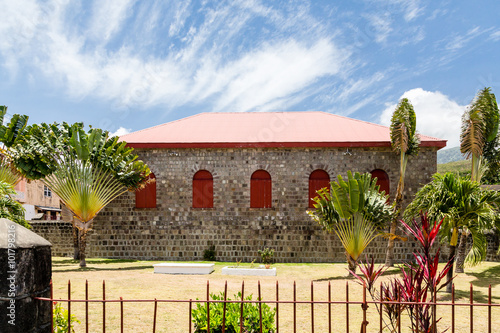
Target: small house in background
<point x="240" y="182"/>
<point x="38" y="201"/>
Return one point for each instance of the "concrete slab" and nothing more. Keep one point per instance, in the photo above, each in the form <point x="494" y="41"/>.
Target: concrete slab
<point x="183" y="268"/>
<point x="260" y="271"/>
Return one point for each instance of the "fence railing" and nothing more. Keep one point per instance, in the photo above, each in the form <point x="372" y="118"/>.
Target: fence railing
<point x="360" y="322"/>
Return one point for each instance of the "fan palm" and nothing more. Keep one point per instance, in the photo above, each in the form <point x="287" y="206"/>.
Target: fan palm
<point x="465" y="208"/>
<point x="87" y="170"/>
<point x="405" y="141"/>
<point x="354" y="210"/>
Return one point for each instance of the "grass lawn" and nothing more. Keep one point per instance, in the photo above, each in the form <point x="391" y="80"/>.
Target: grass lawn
<point x="132" y="279"/>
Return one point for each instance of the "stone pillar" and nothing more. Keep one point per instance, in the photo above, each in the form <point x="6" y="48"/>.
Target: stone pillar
<point x="25" y="273"/>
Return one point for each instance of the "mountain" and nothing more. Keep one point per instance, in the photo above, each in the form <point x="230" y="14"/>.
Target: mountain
<point x="449" y="155"/>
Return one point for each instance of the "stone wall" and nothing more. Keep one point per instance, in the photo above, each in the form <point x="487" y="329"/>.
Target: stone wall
<point x="176" y="231"/>
<point x="58" y="233"/>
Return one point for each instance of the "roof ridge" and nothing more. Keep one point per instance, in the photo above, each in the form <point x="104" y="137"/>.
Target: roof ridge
<point x="159" y="125"/>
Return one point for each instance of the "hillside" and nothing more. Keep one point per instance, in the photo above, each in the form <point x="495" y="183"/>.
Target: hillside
<point x="449" y="155"/>
<point x="460" y="167"/>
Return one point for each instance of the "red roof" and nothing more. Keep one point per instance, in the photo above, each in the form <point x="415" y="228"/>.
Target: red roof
<point x="266" y="129"/>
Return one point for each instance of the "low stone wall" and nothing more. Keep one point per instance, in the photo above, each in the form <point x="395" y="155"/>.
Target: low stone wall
<point x="58" y="233"/>
<point x="190" y="244"/>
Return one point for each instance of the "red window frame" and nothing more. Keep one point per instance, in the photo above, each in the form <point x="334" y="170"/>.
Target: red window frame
<point x="382" y="180"/>
<point x="317" y="180"/>
<point x="260" y="190"/>
<point x="203" y="189"/>
<point x="146" y="197"/>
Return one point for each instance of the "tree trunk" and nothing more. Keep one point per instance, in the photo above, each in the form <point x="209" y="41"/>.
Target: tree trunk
<point x="389" y="256"/>
<point x="462" y="247"/>
<point x="449" y="275"/>
<point x="83" y="243"/>
<point x="76" y="242"/>
<point x="351" y="263"/>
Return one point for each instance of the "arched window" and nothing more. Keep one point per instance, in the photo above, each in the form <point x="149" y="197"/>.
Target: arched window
<point x="203" y="190"/>
<point x="146" y="197"/>
<point x="317" y="180"/>
<point x="382" y="180"/>
<point x="260" y="190"/>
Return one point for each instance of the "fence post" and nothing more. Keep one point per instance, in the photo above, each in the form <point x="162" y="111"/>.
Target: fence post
<point x="26" y="269"/>
<point x="364" y="306"/>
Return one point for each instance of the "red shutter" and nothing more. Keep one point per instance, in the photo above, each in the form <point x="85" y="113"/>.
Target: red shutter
<point x="317" y="180"/>
<point x="382" y="180"/>
<point x="203" y="190"/>
<point x="260" y="190"/>
<point x="146" y="197"/>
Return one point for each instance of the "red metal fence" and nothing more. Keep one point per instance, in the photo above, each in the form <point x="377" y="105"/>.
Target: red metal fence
<point x="342" y="309"/>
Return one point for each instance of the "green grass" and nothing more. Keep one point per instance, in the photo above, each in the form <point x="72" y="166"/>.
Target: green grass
<point x="134" y="279"/>
<point x="460" y="167"/>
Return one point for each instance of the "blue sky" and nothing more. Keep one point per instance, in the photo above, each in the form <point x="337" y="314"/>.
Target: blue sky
<point x="127" y="65"/>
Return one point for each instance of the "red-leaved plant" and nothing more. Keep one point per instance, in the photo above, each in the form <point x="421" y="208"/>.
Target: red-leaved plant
<point x="419" y="282"/>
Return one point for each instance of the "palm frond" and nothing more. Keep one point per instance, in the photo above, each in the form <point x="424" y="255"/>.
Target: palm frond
<point x="83" y="188"/>
<point x="355" y="234"/>
<point x="404" y="138"/>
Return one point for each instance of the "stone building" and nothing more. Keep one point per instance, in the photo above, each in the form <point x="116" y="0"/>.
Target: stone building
<point x="243" y="181"/>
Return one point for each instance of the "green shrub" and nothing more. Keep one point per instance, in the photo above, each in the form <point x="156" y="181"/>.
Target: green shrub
<point x="266" y="256"/>
<point x="60" y="316"/>
<point x="251" y="318"/>
<point x="209" y="254"/>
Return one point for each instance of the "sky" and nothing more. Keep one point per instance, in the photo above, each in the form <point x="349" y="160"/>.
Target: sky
<point x="127" y="65"/>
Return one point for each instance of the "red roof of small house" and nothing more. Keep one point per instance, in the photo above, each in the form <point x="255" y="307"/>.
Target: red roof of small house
<point x="266" y="129"/>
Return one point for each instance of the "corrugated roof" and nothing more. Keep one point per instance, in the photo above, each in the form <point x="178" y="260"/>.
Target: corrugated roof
<point x="266" y="129"/>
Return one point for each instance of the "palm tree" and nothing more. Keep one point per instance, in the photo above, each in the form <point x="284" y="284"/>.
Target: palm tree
<point x="465" y="208"/>
<point x="87" y="170"/>
<point x="479" y="130"/>
<point x="354" y="210"/>
<point x="405" y="141"/>
<point x="479" y="126"/>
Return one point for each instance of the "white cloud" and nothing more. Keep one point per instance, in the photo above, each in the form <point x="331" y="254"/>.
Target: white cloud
<point x="437" y="115"/>
<point x="381" y="23"/>
<point x="121" y="131"/>
<point x="108" y="18"/>
<point x="201" y="65"/>
<point x="460" y="41"/>
<point x="495" y="35"/>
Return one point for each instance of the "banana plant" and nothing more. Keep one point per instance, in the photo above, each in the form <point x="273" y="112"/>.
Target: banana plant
<point x="86" y="169"/>
<point x="354" y="210"/>
<point x="10" y="133"/>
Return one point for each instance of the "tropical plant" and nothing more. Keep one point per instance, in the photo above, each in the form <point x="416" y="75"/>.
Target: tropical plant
<point x="479" y="126"/>
<point x="464" y="207"/>
<point x="10" y="134"/>
<point x="419" y="282"/>
<point x="354" y="210"/>
<point x="10" y="208"/>
<point x="404" y="141"/>
<point x="87" y="170"/>
<point x="62" y="320"/>
<point x="230" y="313"/>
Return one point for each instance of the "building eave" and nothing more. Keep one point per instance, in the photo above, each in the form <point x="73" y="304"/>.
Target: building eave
<point x="361" y="144"/>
